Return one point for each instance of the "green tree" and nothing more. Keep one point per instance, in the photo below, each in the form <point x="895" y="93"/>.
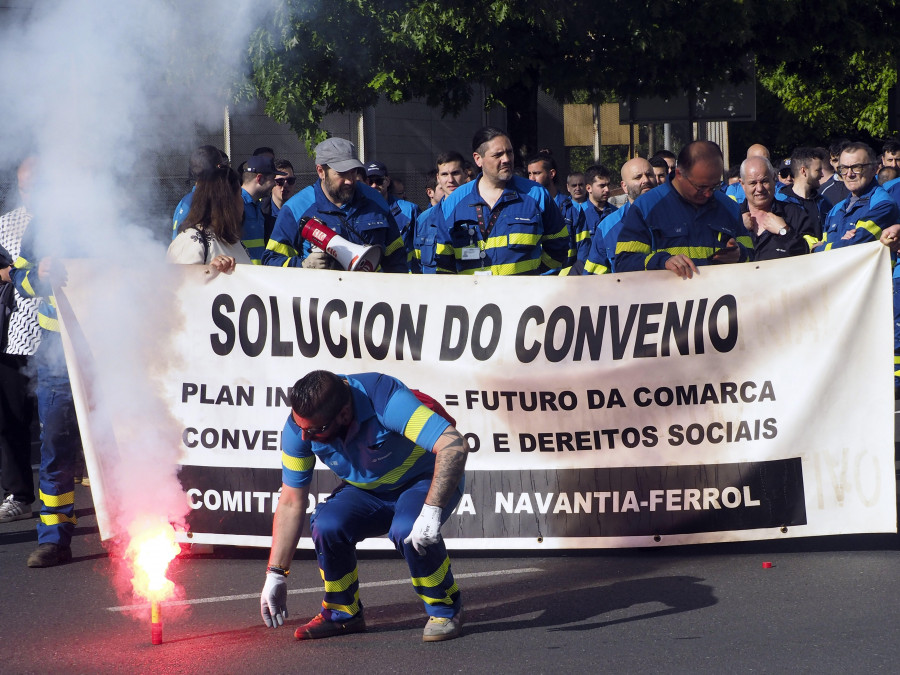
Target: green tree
<point x="310" y="60"/>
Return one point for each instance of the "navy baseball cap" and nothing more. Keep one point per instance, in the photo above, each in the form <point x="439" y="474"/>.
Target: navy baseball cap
<point x="376" y="169"/>
<point x="262" y="164"/>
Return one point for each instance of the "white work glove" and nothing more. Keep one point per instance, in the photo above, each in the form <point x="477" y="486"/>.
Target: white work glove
<point x="319" y="260"/>
<point x="426" y="530"/>
<point x="274" y="600"/>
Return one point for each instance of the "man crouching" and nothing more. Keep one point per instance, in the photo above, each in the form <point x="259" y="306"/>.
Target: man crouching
<point x="401" y="466"/>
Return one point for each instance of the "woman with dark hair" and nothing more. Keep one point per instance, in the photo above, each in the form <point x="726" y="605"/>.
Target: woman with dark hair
<point x="211" y="231"/>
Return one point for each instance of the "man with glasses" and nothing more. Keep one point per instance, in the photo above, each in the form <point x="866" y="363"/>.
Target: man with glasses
<point x="867" y="210"/>
<point x="353" y="210"/>
<point x="401" y="465"/>
<point x="685" y="223"/>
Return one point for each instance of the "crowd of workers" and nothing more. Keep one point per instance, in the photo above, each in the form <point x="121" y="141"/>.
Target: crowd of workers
<point x="486" y="217"/>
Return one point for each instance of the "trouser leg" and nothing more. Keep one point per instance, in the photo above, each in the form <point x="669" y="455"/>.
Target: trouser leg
<point x="60" y="443"/>
<point x="16" y="406"/>
<point x="431" y="575"/>
<point x="347" y="517"/>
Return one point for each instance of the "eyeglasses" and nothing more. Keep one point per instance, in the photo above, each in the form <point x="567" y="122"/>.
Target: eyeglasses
<point x="289" y="180"/>
<point x="699" y="188"/>
<point x="856" y="169"/>
<point x="318" y="431"/>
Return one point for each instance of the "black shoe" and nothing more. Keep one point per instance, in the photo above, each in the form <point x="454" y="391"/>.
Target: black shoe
<point x="49" y="555"/>
<point x="320" y="627"/>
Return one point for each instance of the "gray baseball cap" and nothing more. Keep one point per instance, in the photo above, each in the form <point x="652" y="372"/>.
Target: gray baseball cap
<point x="338" y="153"/>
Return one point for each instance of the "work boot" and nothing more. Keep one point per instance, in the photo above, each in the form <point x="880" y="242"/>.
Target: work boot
<point x="320" y="627"/>
<point x="441" y="628"/>
<point x="49" y="555"/>
<point x="11" y="510"/>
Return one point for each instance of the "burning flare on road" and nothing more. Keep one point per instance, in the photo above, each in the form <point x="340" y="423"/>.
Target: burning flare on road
<point x="151" y="548"/>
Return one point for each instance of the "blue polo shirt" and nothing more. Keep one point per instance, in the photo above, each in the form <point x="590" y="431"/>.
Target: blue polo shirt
<point x="389" y="444"/>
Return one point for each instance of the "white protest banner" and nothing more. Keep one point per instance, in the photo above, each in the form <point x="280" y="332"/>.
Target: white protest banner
<point x="753" y="401"/>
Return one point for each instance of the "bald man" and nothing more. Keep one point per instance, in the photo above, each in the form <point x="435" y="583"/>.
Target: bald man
<point x="735" y="191"/>
<point x="779" y="229"/>
<point x="638" y="177"/>
<point x="686" y="223"/>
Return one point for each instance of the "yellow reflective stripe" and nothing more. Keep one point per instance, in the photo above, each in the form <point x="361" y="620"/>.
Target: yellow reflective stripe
<point x="47" y="323"/>
<point x="253" y="243"/>
<point x="827" y="247"/>
<point x="395" y="245"/>
<point x="508" y="269"/>
<point x="395" y="474"/>
<point x="416" y="423"/>
<point x="297" y="463"/>
<point x="341" y="584"/>
<point x="523" y="239"/>
<point x="443" y="249"/>
<point x="810" y="240"/>
<point x="353" y="609"/>
<point x="57" y="518"/>
<point x="494" y="242"/>
<point x="559" y="234"/>
<point x="871" y="227"/>
<point x="581" y="236"/>
<point x="690" y="251"/>
<point x="57" y="500"/>
<point x="283" y="249"/>
<point x="27" y="287"/>
<point x="21" y="263"/>
<point x="550" y="262"/>
<point x="632" y="247"/>
<point x="595" y="268"/>
<point x="446" y="600"/>
<point x="435" y="578"/>
<point x="747" y="242"/>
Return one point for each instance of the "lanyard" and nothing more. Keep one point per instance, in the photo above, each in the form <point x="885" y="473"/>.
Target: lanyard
<point x="495" y="214"/>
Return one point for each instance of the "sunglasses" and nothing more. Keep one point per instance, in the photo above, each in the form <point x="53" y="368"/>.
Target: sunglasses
<point x="289" y="180"/>
<point x="318" y="431"/>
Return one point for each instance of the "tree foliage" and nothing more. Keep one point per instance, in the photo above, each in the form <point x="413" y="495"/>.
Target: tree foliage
<point x="829" y="63"/>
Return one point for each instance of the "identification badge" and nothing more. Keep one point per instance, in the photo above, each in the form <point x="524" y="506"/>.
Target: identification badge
<point x="483" y="273"/>
<point x="471" y="253"/>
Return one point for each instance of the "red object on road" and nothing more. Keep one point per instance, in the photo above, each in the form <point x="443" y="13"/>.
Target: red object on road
<point x="767" y="565"/>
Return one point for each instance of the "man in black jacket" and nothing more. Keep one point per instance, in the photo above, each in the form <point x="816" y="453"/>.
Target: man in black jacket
<point x="777" y="228"/>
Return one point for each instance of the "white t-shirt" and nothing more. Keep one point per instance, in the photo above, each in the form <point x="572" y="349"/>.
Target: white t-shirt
<point x="187" y="249"/>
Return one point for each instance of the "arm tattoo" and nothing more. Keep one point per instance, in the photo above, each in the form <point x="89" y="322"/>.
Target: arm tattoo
<point x="448" y="467"/>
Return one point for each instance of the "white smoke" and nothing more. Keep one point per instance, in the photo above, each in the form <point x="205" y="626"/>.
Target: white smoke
<point x="97" y="90"/>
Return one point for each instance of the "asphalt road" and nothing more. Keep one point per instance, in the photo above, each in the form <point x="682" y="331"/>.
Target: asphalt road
<point x="827" y="605"/>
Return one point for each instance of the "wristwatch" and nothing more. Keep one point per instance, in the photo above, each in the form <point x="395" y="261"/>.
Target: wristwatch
<point x="782" y="231"/>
